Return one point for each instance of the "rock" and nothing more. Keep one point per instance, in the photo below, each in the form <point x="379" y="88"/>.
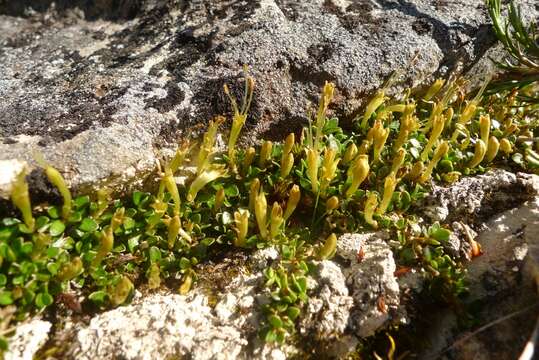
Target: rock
<point x="477" y="198"/>
<point x="503" y="281"/>
<point x="28" y="339"/>
<point x="371" y="280"/>
<point x="9" y="170"/>
<point x="504" y="245"/>
<point x="328" y="312"/>
<point x="357" y="295"/>
<point x="158" y="327"/>
<point x="103" y="88"/>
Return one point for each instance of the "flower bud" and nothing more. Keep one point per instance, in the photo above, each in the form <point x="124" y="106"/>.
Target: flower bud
<point x="350" y="153"/>
<point x="241" y="220"/>
<point x="250" y="154"/>
<point x="21" y="199"/>
<point x="479" y="154"/>
<point x="105" y="246"/>
<point x="219" y="199"/>
<point x="374" y="104"/>
<point x="276" y="220"/>
<point x="440" y="151"/>
<point x="389" y="188"/>
<point x="379" y="136"/>
<point x="254" y="189"/>
<point x="58" y="181"/>
<point x="174" y="226"/>
<point x="332" y="203"/>
<point x="261" y="206"/>
<point x="492" y="150"/>
<point x="286" y="165"/>
<point x="370" y="205"/>
<point x="117" y="219"/>
<point x="398" y="161"/>
<point x="172" y="188"/>
<point x="71" y="269"/>
<point x="505" y="146"/>
<point x="437" y="128"/>
<point x="121" y="291"/>
<point x="293" y="199"/>
<point x="289" y="143"/>
<point x="329" y="168"/>
<point x="434" y="89"/>
<point x="484" y="127"/>
<point x="265" y="154"/>
<point x="416" y="170"/>
<point x="328" y="249"/>
<point x="312" y="169"/>
<point x="359" y="171"/>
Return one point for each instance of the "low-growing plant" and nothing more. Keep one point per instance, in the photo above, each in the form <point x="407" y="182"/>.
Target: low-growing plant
<point x="297" y="196"/>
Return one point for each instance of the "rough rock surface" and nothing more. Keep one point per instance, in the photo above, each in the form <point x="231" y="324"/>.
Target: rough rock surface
<point x="28" y="339"/>
<point x="503" y="280"/>
<point x="101" y="87"/>
<point x="477" y="198"/>
<point x="344" y="301"/>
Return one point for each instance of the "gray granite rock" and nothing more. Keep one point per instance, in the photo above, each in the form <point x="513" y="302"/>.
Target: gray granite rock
<point x="28" y="339"/>
<point x="103" y="88"/>
<point x="474" y="199"/>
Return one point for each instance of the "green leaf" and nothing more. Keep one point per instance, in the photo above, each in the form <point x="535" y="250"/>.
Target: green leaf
<point x="293" y="312"/>
<point x="232" y="191"/>
<point x="88" y="225"/>
<point x="129" y="223"/>
<point x="275" y="321"/>
<point x="98" y="296"/>
<point x="3" y="280"/>
<point x="81" y="201"/>
<point x="57" y="228"/>
<point x="185" y="263"/>
<point x="132" y="243"/>
<point x="5" y="298"/>
<point x="53" y="212"/>
<point x="271" y="336"/>
<point x="43" y="300"/>
<point x="441" y="234"/>
<point x="10" y="221"/>
<point x="155" y="254"/>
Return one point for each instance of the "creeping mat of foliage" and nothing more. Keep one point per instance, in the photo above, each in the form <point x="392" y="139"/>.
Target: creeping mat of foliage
<point x="296" y="196"/>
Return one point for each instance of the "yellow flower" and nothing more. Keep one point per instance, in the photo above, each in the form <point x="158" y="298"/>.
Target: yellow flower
<point x="208" y="143"/>
<point x="350" y="153"/>
<point x="293" y="200"/>
<point x="440" y="151"/>
<point x="203" y="179"/>
<point x="370" y="206"/>
<point x="312" y="169"/>
<point x="261" y="208"/>
<point x="389" y="188"/>
<point x="434" y="89"/>
<point x="276" y="220"/>
<point x="359" y="171"/>
<point x="20" y="197"/>
<point x="254" y="188"/>
<point x="265" y="154"/>
<point x="240" y="115"/>
<point x="438" y="127"/>
<point x="241" y="221"/>
<point x="286" y="165"/>
<point x="374" y="104"/>
<point x="332" y="203"/>
<point x="328" y="249"/>
<point x="492" y="150"/>
<point x="479" y="153"/>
